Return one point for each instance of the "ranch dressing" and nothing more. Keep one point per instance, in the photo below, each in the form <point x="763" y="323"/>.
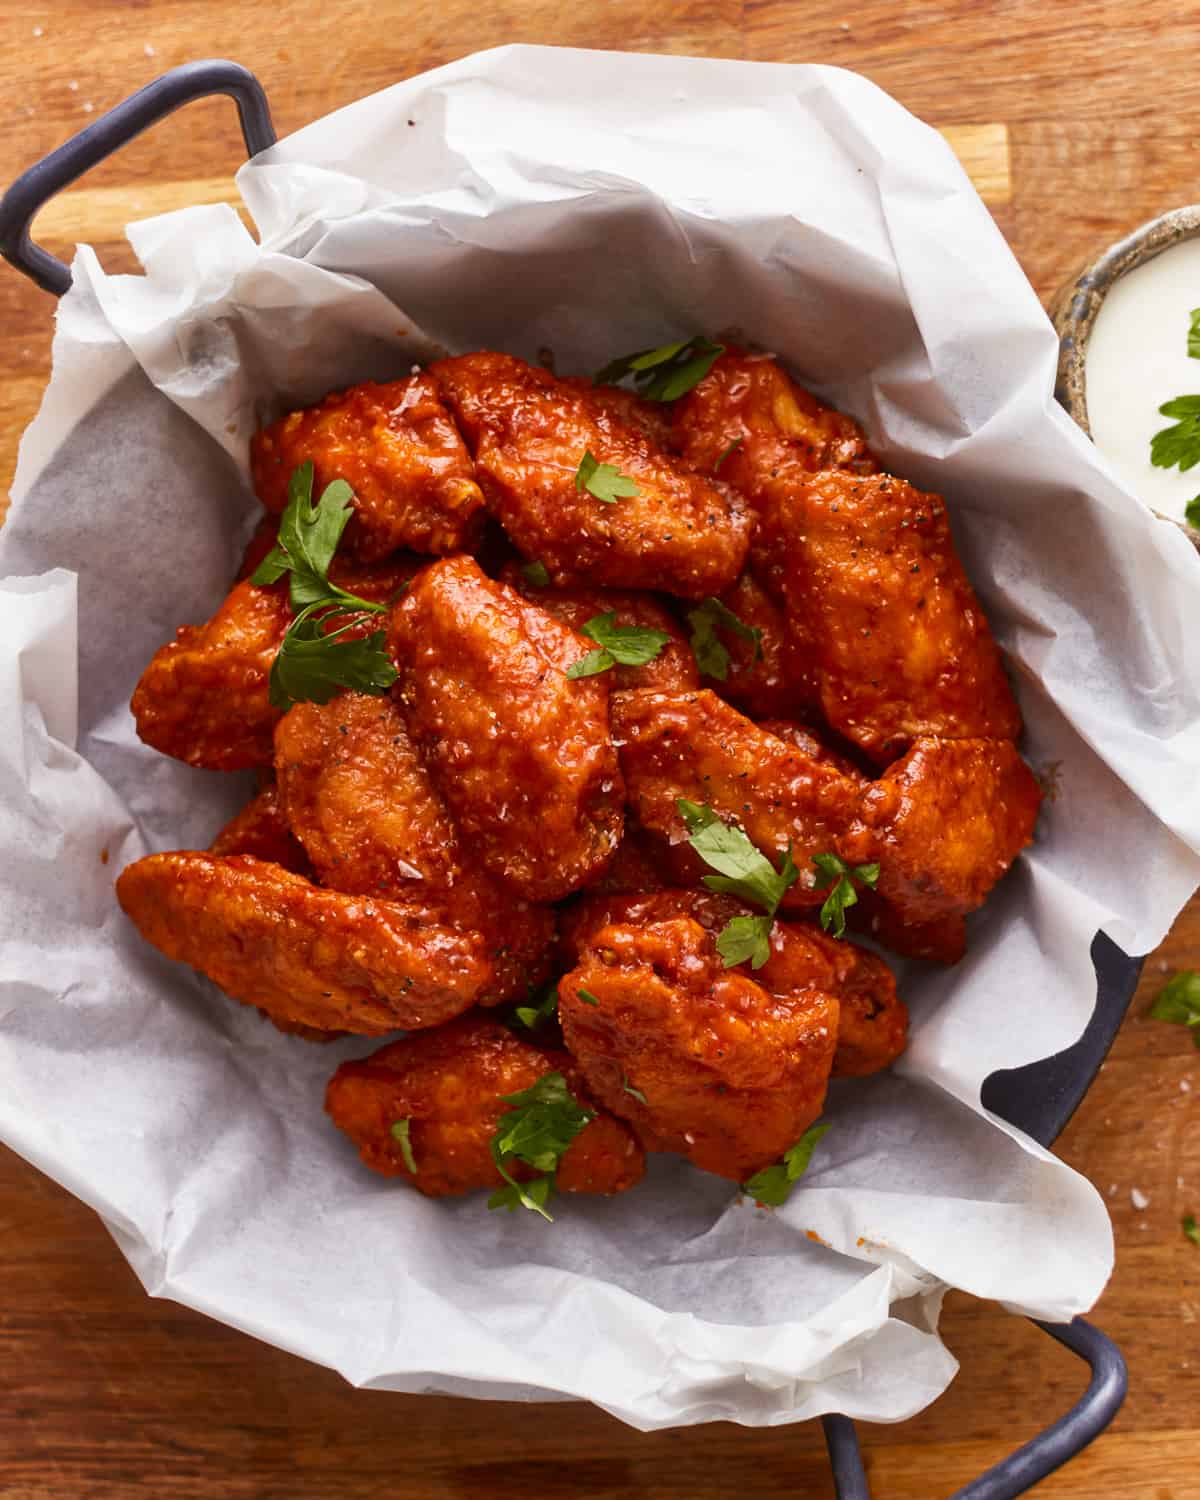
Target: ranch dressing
<point x="1136" y="359"/>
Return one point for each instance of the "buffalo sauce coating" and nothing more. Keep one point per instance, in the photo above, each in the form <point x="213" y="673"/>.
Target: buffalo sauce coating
<point x="262" y="830"/>
<point x="701" y="1059"/>
<point x="880" y="604"/>
<point x="400" y="452"/>
<point x="766" y="434"/>
<point x="305" y="955"/>
<point x="449" y="1085"/>
<point x="872" y="1019"/>
<point x="365" y="808"/>
<point x="529" y="432"/>
<point x="695" y="746"/>
<point x="768" y="678"/>
<point x="520" y="752"/>
<point x="204" y="697"/>
<point x="673" y="669"/>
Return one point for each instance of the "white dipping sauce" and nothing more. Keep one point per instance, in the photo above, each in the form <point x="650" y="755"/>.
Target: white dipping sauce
<point x="1136" y="359"/>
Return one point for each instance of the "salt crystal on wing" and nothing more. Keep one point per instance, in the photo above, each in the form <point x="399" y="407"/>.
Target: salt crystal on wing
<point x="1138" y="1198"/>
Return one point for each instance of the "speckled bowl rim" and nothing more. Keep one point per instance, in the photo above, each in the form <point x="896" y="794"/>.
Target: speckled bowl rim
<point x="1074" y="309"/>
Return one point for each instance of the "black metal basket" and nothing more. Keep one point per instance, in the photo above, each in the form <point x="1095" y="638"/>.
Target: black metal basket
<point x="1039" y="1098"/>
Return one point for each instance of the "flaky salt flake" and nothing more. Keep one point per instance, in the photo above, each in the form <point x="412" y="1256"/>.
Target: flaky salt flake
<point x="1138" y="1198"/>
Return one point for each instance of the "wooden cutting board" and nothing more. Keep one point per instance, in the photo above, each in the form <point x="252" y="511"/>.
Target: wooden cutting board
<point x="1075" y="119"/>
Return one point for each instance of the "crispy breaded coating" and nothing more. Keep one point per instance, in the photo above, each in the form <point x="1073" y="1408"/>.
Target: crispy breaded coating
<point x="804" y="739"/>
<point x="365" y="808"/>
<point x="773" y="680"/>
<point x="642" y="863"/>
<point x="305" y="955"/>
<point x="653" y="417"/>
<point x="946" y="822"/>
<point x="872" y="1019"/>
<point x="398" y="449"/>
<point x="672" y="670"/>
<point x="726" y="1072"/>
<point x="529" y="431"/>
<point x="879" y="601"/>
<point x="781" y="432"/>
<point x="940" y="941"/>
<point x="449" y="1085"/>
<point x="204" y="697"/>
<point x="261" y="829"/>
<point x="695" y="745"/>
<point x="521" y="753"/>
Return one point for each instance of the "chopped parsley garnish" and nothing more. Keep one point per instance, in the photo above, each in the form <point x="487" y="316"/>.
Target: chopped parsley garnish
<point x="737" y="443"/>
<point x="743" y="871"/>
<point x="537" y="1130"/>
<point x="665" y="373"/>
<point x="773" y="1184"/>
<point x="711" y="656"/>
<point x="604" y="481"/>
<point x="1180" y="444"/>
<point x="400" y="1133"/>
<point x="313" y="663"/>
<point x="842" y="893"/>
<point x="536" y="574"/>
<point x="629" y="1089"/>
<point x="542" y="1007"/>
<point x="1191" y="513"/>
<point x="587" y="997"/>
<point x="1179" y="1001"/>
<point x="628" y="645"/>
<point x="1193" y="338"/>
<point x="1189" y="1228"/>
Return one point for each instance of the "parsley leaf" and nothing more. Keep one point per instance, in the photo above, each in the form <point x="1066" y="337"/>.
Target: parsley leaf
<point x="743" y="871"/>
<point x="604" y="481"/>
<point x="1179" y="444"/>
<point x="1189" y="1228"/>
<point x="400" y="1133"/>
<point x="668" y="372"/>
<point x="773" y="1184"/>
<point x="1179" y="1001"/>
<point x="313" y="663"/>
<point x="545" y="1007"/>
<point x="587" y="997"/>
<point x="1193" y="338"/>
<point x="842" y="893"/>
<point x="711" y="656"/>
<point x="536" y="574"/>
<point x="629" y="645"/>
<point x="537" y="1130"/>
<point x="725" y="453"/>
<point x="1191" y="512"/>
<point x="629" y="1089"/>
<point x="745" y="938"/>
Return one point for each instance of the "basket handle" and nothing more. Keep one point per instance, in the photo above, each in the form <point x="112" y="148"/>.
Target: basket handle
<point x="1052" y="1447"/>
<point x="108" y="134"/>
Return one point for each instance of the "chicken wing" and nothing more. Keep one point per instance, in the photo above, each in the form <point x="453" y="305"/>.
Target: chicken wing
<point x="449" y="1085"/>
<point x="360" y="801"/>
<point x="204" y="697"/>
<point x="872" y="1020"/>
<point x="772" y="678"/>
<point x="520" y="752"/>
<point x="701" y="1059"/>
<point x="398" y="449"/>
<point x="305" y="955"/>
<point x="653" y="417"/>
<point x="262" y="830"/>
<point x="672" y="670"/>
<point x="767" y="434"/>
<point x="879" y="602"/>
<point x="529" y="432"/>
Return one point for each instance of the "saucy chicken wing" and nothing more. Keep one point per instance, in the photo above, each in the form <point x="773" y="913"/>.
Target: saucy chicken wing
<point x="262" y="830"/>
<point x="672" y="670"/>
<point x="768" y="678"/>
<point x="772" y="434"/>
<point x="204" y="697"/>
<point x="365" y="809"/>
<point x="701" y="1059"/>
<point x="520" y="752"/>
<point x="450" y="1085"/>
<point x="872" y="1019"/>
<point x="529" y="433"/>
<point x="398" y="449"/>
<point x="880" y="605"/>
<point x="305" y="955"/>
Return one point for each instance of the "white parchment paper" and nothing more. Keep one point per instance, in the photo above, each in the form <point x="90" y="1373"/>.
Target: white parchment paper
<point x="590" y="203"/>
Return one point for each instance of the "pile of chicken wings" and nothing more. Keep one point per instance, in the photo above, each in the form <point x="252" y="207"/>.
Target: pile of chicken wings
<point x="423" y="860"/>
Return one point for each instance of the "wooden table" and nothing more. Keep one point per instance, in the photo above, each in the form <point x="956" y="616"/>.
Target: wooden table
<point x="107" y="1395"/>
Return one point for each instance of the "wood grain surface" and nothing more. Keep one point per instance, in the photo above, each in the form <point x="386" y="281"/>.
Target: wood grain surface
<point x="1076" y="118"/>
